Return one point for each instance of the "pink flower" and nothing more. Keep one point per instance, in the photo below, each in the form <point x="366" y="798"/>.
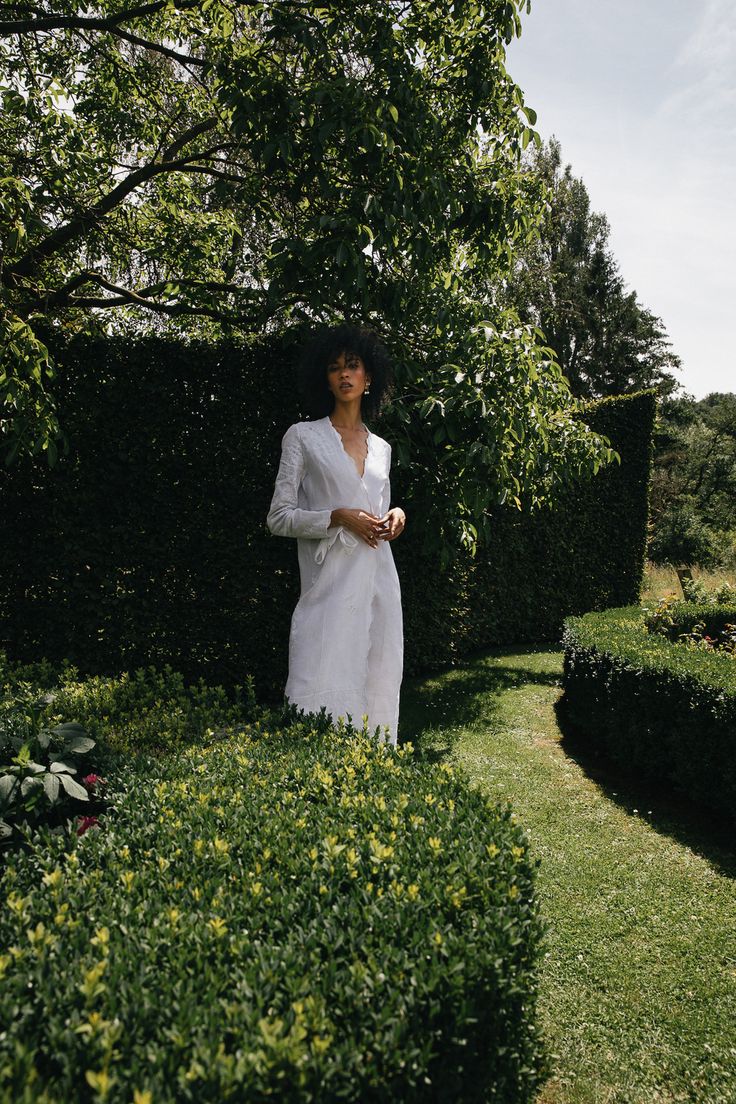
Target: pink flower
<point x="86" y="822"/>
<point x="93" y="779"/>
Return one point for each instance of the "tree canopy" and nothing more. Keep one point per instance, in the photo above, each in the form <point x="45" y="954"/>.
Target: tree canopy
<point x="693" y="489"/>
<point x="215" y="166"/>
<point x="567" y="281"/>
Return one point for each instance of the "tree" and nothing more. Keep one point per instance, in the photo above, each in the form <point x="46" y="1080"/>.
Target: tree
<point x="221" y="165"/>
<point x="693" y="490"/>
<point x="568" y="283"/>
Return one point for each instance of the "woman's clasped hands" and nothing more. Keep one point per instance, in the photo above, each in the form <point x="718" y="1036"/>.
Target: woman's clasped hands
<point x="369" y="527"/>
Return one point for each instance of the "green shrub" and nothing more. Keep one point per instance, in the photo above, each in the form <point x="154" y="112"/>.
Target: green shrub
<point x="279" y="915"/>
<point x="37" y="770"/>
<point x="695" y="590"/>
<point x="146" y="709"/>
<point x="693" y="621"/>
<point x="664" y="710"/>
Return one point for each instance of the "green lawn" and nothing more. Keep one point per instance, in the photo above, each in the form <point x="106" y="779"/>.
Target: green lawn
<point x="638" y="998"/>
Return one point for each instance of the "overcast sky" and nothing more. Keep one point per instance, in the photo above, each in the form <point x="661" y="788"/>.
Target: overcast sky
<point x="642" y="97"/>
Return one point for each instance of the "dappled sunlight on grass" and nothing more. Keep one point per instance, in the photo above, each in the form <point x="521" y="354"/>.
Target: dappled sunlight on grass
<point x="638" y="988"/>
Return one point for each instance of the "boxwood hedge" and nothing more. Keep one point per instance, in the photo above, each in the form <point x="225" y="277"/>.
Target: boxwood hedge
<point x="296" y="914"/>
<point x="664" y="710"/>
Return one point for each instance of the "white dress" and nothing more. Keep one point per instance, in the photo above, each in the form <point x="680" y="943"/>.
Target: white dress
<point x="346" y="644"/>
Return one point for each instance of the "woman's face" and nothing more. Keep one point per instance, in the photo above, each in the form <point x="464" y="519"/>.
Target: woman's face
<point x="347" y="377"/>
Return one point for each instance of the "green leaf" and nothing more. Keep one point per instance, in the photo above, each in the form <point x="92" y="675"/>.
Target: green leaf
<point x="60" y="767"/>
<point x="51" y="786"/>
<point x="69" y="728"/>
<point x="79" y="745"/>
<point x="8" y="783"/>
<point x="73" y="788"/>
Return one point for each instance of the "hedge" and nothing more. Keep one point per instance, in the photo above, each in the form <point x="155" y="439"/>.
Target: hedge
<point x="148" y="544"/>
<point x="664" y="710"/>
<point x="297" y="914"/>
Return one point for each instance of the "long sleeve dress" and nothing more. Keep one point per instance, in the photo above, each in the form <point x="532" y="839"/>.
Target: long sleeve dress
<point x="346" y="642"/>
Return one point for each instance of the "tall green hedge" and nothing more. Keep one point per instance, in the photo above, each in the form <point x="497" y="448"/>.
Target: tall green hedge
<point x="147" y="544"/>
<point x="586" y="553"/>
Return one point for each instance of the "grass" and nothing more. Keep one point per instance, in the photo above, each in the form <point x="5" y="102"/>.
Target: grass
<point x="660" y="580"/>
<point x="638" y="988"/>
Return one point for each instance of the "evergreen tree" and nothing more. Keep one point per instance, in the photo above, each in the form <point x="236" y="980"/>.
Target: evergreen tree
<point x="567" y="282"/>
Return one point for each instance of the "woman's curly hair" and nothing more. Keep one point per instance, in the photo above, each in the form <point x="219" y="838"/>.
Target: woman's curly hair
<point x="325" y="346"/>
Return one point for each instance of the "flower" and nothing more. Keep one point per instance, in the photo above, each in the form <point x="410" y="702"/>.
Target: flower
<point x="86" y="822"/>
<point x="93" y="780"/>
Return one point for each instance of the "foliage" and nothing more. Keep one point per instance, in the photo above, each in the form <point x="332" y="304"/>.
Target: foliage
<point x="664" y="710"/>
<point x="705" y="623"/>
<point x="697" y="591"/>
<point x="38" y="764"/>
<point x="161" y="553"/>
<point x="227" y="167"/>
<point x="144" y="709"/>
<point x="567" y="281"/>
<point x="283" y="914"/>
<point x="694" y="481"/>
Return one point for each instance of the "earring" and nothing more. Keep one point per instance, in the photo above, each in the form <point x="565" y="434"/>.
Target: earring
<point x="367" y="389"/>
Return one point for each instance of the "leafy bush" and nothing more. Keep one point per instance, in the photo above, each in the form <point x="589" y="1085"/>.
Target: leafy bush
<point x="37" y="770"/>
<point x="148" y="708"/>
<point x="289" y="915"/>
<point x="705" y="624"/>
<point x="697" y="591"/>
<point x="39" y="761"/>
<point x="662" y="709"/>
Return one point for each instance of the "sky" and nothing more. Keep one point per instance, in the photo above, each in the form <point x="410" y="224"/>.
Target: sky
<point x="642" y="97"/>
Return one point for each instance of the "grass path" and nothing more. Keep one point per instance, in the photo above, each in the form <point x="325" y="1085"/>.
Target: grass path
<point x="638" y="993"/>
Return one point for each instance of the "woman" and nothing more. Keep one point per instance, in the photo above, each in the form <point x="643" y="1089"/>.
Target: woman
<point x="346" y="645"/>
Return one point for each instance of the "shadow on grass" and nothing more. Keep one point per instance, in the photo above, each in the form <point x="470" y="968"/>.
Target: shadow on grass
<point x="437" y="706"/>
<point x="669" y="812"/>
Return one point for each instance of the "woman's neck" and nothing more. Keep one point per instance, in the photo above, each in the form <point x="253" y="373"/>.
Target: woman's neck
<point x="347" y="416"/>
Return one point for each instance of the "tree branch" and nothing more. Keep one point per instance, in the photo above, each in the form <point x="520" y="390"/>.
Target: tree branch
<point x="80" y="22"/>
<point x="183" y="59"/>
<point x="44" y="22"/>
<point x="76" y="226"/>
<point x="62" y="298"/>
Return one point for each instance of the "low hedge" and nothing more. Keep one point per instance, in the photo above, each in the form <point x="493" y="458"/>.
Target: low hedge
<point x="664" y="710"/>
<point x="296" y="914"/>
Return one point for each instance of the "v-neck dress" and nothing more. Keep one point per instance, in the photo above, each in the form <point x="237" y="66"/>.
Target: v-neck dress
<point x="346" y="642"/>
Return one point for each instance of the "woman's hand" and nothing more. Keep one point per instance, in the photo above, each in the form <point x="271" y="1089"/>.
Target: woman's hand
<point x="366" y="526"/>
<point x="393" y="524"/>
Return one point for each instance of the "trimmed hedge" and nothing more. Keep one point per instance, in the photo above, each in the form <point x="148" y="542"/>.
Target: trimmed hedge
<point x="147" y="545"/>
<point x="300" y="915"/>
<point x="666" y="711"/>
<point x="588" y="552"/>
